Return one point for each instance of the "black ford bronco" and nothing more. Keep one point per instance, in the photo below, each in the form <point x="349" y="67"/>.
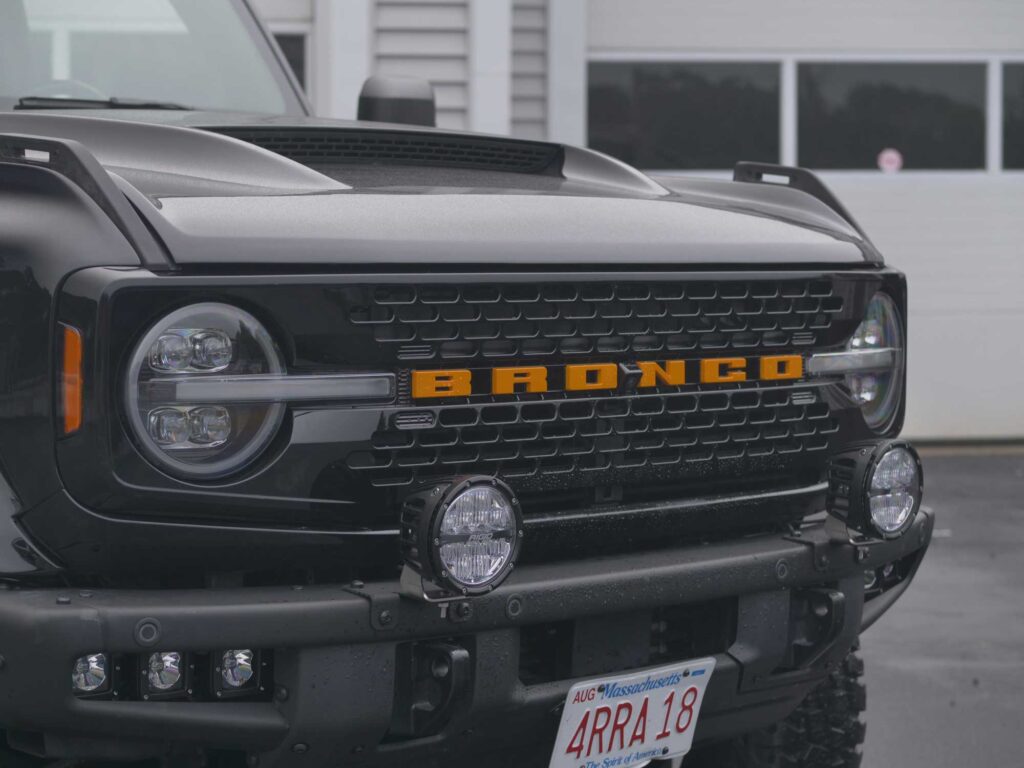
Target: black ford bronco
<point x="332" y="443"/>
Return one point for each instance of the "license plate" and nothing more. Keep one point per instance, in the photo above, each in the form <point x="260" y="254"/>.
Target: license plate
<point x="631" y="719"/>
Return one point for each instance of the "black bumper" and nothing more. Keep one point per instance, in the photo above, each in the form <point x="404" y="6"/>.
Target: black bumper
<point x="335" y="651"/>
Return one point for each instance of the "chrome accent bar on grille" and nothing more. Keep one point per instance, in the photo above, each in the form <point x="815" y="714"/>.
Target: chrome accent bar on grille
<point x="373" y="387"/>
<point x="853" y="361"/>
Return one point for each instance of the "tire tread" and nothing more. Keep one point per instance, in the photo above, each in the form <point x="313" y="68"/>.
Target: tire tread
<point x="827" y="730"/>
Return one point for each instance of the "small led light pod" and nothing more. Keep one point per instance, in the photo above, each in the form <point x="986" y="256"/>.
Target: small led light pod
<point x="876" y="488"/>
<point x="166" y="675"/>
<point x="164" y="671"/>
<point x="460" y="538"/>
<point x="91" y="673"/>
<point x="236" y="668"/>
<point x="237" y="672"/>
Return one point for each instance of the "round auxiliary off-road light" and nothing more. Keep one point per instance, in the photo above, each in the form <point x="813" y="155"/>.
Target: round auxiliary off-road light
<point x="463" y="537"/>
<point x="877" y="489"/>
<point x="895" y="490"/>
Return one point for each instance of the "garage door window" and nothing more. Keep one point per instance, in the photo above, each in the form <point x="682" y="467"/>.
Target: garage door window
<point x="685" y="115"/>
<point x="923" y="116"/>
<point x="1013" y="116"/>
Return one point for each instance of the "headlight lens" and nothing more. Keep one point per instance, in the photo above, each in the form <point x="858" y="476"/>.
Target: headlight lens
<point x="876" y="488"/>
<point x="89" y="675"/>
<point x="236" y="667"/>
<point x="476" y="535"/>
<point x="878" y="392"/>
<point x="202" y="440"/>
<point x="895" y="490"/>
<point x="164" y="671"/>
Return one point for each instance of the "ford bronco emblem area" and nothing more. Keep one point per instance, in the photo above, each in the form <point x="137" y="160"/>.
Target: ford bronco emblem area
<point x="596" y="376"/>
<point x="367" y="443"/>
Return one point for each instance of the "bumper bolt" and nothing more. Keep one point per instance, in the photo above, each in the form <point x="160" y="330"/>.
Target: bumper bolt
<point x="781" y="570"/>
<point x="823" y="561"/>
<point x="63" y="600"/>
<point x="464" y="610"/>
<point x="514" y="607"/>
<point x="300" y="748"/>
<point x="281" y="693"/>
<point x="385" y="618"/>
<point x="357" y="584"/>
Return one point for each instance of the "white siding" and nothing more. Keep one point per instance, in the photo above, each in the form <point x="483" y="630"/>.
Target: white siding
<point x="427" y="39"/>
<point x="530" y="68"/>
<point x="284" y="11"/>
<point x="800" y="26"/>
<point x="958" y="239"/>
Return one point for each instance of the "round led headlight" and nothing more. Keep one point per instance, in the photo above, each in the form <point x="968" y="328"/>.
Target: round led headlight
<point x="173" y="380"/>
<point x="464" y="537"/>
<point x="876" y="489"/>
<point x="878" y="392"/>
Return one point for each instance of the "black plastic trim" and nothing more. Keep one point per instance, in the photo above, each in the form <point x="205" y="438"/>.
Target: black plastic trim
<point x="798" y="178"/>
<point x="75" y="163"/>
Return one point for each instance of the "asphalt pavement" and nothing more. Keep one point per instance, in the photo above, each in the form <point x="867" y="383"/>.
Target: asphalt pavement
<point x="945" y="667"/>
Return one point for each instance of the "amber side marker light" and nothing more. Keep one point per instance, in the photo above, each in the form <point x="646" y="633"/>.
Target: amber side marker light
<point x="71" y="380"/>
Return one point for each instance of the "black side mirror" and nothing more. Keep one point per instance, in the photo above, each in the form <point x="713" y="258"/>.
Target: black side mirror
<point x="398" y="100"/>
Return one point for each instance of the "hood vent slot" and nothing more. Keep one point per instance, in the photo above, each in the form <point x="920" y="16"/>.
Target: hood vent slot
<point x="332" y="146"/>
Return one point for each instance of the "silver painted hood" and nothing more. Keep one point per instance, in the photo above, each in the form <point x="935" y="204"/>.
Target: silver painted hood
<point x="218" y="200"/>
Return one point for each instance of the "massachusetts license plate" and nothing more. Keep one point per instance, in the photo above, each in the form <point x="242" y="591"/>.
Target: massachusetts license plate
<point x="631" y="719"/>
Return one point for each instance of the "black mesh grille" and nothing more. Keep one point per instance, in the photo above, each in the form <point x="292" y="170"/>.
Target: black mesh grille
<point x="312" y="146"/>
<point x="618" y="439"/>
<point x="566" y="320"/>
<point x="556" y="441"/>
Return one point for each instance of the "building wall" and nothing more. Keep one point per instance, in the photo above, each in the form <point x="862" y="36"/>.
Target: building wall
<point x="430" y="40"/>
<point x="463" y="47"/>
<point x="806" y="25"/>
<point x="530" y="68"/>
<point x="958" y="239"/>
<point x="956" y="234"/>
<point x="275" y="12"/>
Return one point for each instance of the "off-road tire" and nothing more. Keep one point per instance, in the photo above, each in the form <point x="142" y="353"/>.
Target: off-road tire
<point x="825" y="731"/>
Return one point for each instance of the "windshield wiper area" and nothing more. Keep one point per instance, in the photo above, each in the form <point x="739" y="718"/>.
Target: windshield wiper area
<point x="62" y="102"/>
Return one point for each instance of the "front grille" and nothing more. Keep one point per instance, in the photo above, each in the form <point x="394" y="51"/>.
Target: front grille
<point x="517" y="321"/>
<point x="334" y="146"/>
<point x="614" y="439"/>
<point x="685" y="440"/>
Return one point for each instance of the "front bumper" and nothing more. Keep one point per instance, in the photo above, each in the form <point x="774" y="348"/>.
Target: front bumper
<point x="336" y="680"/>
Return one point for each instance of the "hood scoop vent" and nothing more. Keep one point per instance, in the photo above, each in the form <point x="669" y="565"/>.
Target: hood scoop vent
<point x="319" y="147"/>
